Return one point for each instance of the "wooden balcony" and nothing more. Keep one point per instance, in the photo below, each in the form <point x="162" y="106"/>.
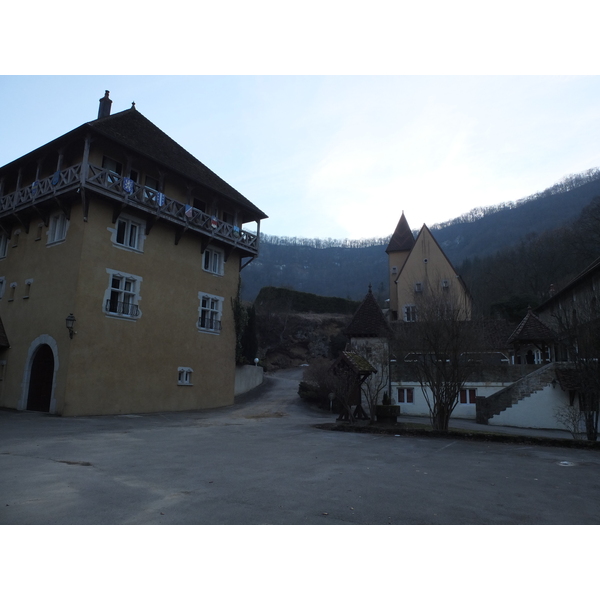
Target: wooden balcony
<point x="127" y="193"/>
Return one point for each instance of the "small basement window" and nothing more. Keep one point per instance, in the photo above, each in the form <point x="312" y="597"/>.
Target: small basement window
<point x="184" y="376"/>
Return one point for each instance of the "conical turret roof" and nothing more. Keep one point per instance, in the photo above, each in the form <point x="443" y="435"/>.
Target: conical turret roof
<point x="368" y="320"/>
<point x="402" y="239"/>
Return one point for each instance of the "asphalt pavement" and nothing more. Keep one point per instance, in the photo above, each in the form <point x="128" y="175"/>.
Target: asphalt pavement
<point x="262" y="461"/>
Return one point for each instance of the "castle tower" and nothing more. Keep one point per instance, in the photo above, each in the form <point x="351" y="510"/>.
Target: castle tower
<point x="400" y="246"/>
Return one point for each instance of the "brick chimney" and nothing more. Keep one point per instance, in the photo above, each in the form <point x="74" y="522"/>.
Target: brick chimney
<point x="104" y="110"/>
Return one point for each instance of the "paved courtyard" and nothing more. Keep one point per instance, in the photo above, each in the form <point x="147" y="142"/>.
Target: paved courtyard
<point x="261" y="462"/>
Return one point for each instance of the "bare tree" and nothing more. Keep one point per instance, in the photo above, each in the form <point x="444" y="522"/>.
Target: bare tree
<point x="439" y="343"/>
<point x="379" y="382"/>
<point x="571" y="417"/>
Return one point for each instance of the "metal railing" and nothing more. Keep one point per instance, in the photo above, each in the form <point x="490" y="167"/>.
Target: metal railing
<point x="122" y="308"/>
<point x="129" y="192"/>
<point x="209" y="324"/>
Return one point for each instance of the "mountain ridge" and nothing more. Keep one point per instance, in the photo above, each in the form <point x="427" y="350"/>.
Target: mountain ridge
<point x="345" y="268"/>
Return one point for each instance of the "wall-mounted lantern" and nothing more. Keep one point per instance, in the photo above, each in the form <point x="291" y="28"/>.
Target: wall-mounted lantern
<point x="70" y="321"/>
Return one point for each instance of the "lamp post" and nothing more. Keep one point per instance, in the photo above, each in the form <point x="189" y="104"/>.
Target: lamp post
<point x="70" y="322"/>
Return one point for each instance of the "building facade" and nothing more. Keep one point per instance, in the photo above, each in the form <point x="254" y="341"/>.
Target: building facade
<point x="420" y="273"/>
<point x="118" y="226"/>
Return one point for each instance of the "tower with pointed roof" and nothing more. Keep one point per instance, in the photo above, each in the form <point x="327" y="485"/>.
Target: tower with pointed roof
<point x="369" y="333"/>
<point x="420" y="269"/>
<point x="400" y="246"/>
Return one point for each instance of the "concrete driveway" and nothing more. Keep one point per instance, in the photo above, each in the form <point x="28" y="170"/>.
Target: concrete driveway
<point x="261" y="462"/>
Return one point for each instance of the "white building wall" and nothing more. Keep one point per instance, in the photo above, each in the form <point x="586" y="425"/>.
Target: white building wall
<point x="535" y="411"/>
<point x="420" y="408"/>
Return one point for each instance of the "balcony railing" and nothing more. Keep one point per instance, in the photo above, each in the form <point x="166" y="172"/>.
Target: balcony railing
<point x="131" y="193"/>
<point x="209" y="324"/>
<point x="122" y="308"/>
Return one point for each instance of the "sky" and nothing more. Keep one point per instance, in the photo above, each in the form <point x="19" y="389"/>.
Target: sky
<point x="334" y="147"/>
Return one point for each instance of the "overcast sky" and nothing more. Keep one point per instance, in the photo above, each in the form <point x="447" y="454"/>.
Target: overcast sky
<point x="336" y="155"/>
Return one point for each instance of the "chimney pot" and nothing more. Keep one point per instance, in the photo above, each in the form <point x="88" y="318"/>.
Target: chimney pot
<point x="104" y="109"/>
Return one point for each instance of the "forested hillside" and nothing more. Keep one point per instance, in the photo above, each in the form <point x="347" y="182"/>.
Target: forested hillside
<point x="345" y="272"/>
<point x="504" y="284"/>
<point x="508" y="254"/>
<point x="484" y="231"/>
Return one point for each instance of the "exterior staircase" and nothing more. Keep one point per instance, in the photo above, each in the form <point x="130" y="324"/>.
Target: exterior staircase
<point x="520" y="389"/>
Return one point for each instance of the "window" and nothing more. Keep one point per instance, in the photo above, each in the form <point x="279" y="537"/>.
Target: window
<point x="445" y="284"/>
<point x="467" y="396"/>
<point x="184" y="376"/>
<point x="150" y="188"/>
<point x="13" y="287"/>
<point x="28" y="283"/>
<point x="122" y="296"/>
<point x="418" y="287"/>
<point x="405" y="395"/>
<point x="410" y="313"/>
<point x="3" y="245"/>
<point x="213" y="261"/>
<point x="129" y="233"/>
<point x="58" y="228"/>
<point x="114" y="168"/>
<point x="2" y="286"/>
<point x="210" y="313"/>
<point x="199" y="204"/>
<point x="16" y="235"/>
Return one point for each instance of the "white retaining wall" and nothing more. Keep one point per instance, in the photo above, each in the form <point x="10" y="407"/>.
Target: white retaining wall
<point x="247" y="378"/>
<point x="536" y="411"/>
<point x="420" y="408"/>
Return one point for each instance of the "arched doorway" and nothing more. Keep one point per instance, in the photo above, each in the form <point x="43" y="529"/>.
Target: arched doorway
<point x="41" y="379"/>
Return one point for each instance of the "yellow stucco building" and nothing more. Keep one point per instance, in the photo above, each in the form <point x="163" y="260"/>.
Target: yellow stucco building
<point x="118" y="226"/>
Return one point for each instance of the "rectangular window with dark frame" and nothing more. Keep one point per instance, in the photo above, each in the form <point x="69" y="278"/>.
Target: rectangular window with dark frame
<point x="467" y="396"/>
<point x="150" y="188"/>
<point x="406" y="395"/>
<point x="199" y="204"/>
<point x="210" y="313"/>
<point x="213" y="261"/>
<point x="122" y="295"/>
<point x="3" y="245"/>
<point x="410" y="313"/>
<point x="114" y="168"/>
<point x="129" y="233"/>
<point x="58" y="228"/>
